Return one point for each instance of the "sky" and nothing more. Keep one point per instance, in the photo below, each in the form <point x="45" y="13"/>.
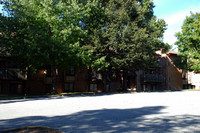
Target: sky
<point x="174" y="13"/>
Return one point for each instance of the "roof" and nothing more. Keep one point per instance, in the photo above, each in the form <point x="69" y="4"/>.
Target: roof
<point x="170" y="52"/>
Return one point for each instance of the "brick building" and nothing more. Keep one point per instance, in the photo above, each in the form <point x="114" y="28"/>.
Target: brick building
<point x="166" y="76"/>
<point x="12" y="79"/>
<point x="73" y="80"/>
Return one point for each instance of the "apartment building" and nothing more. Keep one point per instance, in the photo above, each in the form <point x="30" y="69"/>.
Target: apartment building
<point x="12" y="79"/>
<point x="165" y="76"/>
<point x="191" y="80"/>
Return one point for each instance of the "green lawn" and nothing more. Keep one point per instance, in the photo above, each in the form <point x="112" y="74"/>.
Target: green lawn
<point x="6" y="96"/>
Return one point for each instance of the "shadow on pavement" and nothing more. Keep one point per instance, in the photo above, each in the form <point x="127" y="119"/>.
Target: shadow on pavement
<point x="111" y="120"/>
<point x="106" y="120"/>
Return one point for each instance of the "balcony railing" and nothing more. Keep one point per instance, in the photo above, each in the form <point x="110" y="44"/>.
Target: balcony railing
<point x="151" y="78"/>
<point x="96" y="76"/>
<point x="69" y="78"/>
<point x="12" y="74"/>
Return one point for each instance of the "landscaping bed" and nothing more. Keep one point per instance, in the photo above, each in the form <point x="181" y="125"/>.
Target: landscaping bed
<point x="32" y="129"/>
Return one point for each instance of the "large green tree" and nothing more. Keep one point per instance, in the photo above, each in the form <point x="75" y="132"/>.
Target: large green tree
<point x="47" y="33"/>
<point x="188" y="41"/>
<point x="129" y="37"/>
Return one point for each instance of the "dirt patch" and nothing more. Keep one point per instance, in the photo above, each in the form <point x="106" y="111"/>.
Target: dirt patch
<point x="32" y="129"/>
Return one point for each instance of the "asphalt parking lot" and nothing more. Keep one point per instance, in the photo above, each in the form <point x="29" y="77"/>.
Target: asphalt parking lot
<point x="130" y="112"/>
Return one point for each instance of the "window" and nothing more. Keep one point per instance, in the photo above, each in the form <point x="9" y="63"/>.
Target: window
<point x="169" y="78"/>
<point x="71" y="71"/>
<point x="69" y="87"/>
<point x="168" y="63"/>
<point x="48" y="88"/>
<point x="48" y="73"/>
<point x="185" y="75"/>
<point x="185" y="87"/>
<point x="153" y="87"/>
<point x="1" y="73"/>
<point x="144" y="87"/>
<point x="159" y="62"/>
<point x="107" y="87"/>
<point x="93" y="87"/>
<point x="13" y="88"/>
<point x="86" y="88"/>
<point x="151" y="72"/>
<point x="0" y="88"/>
<point x="169" y="88"/>
<point x="86" y="76"/>
<point x="189" y="77"/>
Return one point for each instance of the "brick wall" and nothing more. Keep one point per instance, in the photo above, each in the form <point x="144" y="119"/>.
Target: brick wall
<point x="174" y="74"/>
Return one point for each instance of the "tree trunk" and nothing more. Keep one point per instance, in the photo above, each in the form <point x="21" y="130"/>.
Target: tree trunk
<point x="89" y="78"/>
<point x="124" y="82"/>
<point x="138" y="83"/>
<point x="104" y="77"/>
<point x="54" y="80"/>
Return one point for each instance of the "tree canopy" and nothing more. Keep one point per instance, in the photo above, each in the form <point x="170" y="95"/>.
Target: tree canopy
<point x="129" y="37"/>
<point x="47" y="33"/>
<point x="107" y="35"/>
<point x="189" y="42"/>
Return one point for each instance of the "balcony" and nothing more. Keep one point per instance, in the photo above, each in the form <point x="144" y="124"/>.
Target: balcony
<point x="12" y="74"/>
<point x="48" y="80"/>
<point x="96" y="76"/>
<point x="69" y="78"/>
<point x="155" y="78"/>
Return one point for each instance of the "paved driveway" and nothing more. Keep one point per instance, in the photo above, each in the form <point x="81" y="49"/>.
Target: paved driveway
<point x="135" y="112"/>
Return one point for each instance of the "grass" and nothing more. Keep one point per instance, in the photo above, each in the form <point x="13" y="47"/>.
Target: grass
<point x="191" y="89"/>
<point x="3" y="96"/>
<point x="6" y="96"/>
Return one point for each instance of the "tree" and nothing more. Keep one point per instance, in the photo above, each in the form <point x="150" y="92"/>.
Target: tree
<point x="46" y="34"/>
<point x="129" y="37"/>
<point x="188" y="41"/>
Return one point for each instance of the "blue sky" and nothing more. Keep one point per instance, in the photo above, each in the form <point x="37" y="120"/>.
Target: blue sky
<point x="174" y="12"/>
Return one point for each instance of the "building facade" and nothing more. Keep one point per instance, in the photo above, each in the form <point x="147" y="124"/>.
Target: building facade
<point x="12" y="79"/>
<point x="165" y="76"/>
<point x="191" y="80"/>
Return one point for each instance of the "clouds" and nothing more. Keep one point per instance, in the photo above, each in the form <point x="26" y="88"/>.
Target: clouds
<point x="1" y="7"/>
<point x="175" y="21"/>
<point x="174" y="13"/>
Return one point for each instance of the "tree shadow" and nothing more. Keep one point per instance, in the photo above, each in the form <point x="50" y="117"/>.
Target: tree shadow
<point x="111" y="120"/>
